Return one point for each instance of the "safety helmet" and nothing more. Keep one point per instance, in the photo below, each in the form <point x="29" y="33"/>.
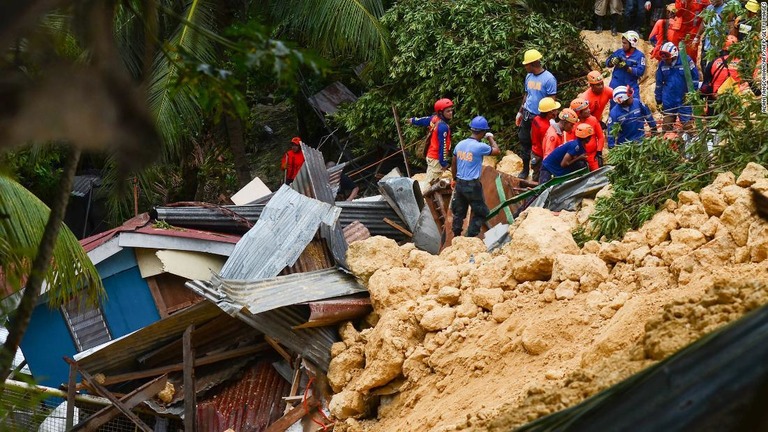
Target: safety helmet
<point x="579" y="104"/>
<point x="295" y="141"/>
<point x="621" y="94"/>
<point x="569" y="115"/>
<point x="594" y="77"/>
<point x="478" y="124"/>
<point x="752" y="6"/>
<point x="531" y="56"/>
<point x="442" y="104"/>
<point x="669" y="50"/>
<point x="632" y="37"/>
<point x="671" y="7"/>
<point x="730" y="40"/>
<point x="671" y="136"/>
<point x="584" y="131"/>
<point x="548" y="104"/>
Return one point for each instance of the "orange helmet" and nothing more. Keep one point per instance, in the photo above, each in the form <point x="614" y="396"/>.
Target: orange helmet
<point x="671" y="136"/>
<point x="595" y="77"/>
<point x="442" y="104"/>
<point x="584" y="131"/>
<point x="569" y="115"/>
<point x="296" y="140"/>
<point x="579" y="104"/>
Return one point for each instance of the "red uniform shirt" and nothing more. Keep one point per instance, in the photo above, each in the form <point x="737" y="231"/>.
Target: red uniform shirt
<point x="674" y="34"/>
<point x="553" y="139"/>
<point x="539" y="127"/>
<point x="595" y="144"/>
<point x="597" y="102"/>
<point x="292" y="162"/>
<point x="688" y="11"/>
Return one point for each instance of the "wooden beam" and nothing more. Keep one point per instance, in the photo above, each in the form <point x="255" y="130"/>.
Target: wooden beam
<point x="396" y="226"/>
<point x="105" y="393"/>
<point x="130" y="401"/>
<point x="190" y="402"/>
<point x="202" y="361"/>
<point x="295" y="414"/>
<point x="154" y="289"/>
<point x="71" y="387"/>
<point x="280" y="350"/>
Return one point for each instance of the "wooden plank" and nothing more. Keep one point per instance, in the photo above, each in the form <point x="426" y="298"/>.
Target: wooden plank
<point x="202" y="361"/>
<point x="295" y="414"/>
<point x="130" y="401"/>
<point x="116" y="402"/>
<point x="154" y="289"/>
<point x="396" y="226"/>
<point x="71" y="387"/>
<point x="280" y="350"/>
<point x="190" y="402"/>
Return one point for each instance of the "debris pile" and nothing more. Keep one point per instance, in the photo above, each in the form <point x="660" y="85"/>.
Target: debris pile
<point x="472" y="340"/>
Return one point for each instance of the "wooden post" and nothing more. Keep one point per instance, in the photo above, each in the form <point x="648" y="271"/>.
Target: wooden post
<point x="190" y="404"/>
<point x="71" y="387"/>
<point x="402" y="141"/>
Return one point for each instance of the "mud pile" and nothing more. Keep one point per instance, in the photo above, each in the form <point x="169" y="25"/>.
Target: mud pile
<point x="471" y="340"/>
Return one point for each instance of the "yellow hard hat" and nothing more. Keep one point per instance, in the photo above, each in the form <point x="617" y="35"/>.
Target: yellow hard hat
<point x="548" y="104"/>
<point x="531" y="56"/>
<point x="752" y="6"/>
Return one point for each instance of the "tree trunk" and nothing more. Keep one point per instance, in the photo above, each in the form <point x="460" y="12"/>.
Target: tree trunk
<point x="20" y="320"/>
<point x="236" y="137"/>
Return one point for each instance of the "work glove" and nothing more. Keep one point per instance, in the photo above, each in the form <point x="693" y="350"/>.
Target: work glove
<point x="519" y="119"/>
<point x="622" y="64"/>
<point x="615" y="61"/>
<point x="599" y="158"/>
<point x="488" y="135"/>
<point x="647" y="5"/>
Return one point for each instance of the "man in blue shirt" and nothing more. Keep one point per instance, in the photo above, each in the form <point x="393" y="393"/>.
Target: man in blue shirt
<point x="539" y="83"/>
<point x="630" y="115"/>
<point x="716" y="8"/>
<point x="628" y="63"/>
<point x="468" y="191"/>
<point x="671" y="88"/>
<point x="569" y="157"/>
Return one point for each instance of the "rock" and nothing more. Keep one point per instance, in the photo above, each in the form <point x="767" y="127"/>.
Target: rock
<point x="688" y="236"/>
<point x="652" y="261"/>
<point x="655" y="278"/>
<point x="657" y="229"/>
<point x="419" y="260"/>
<point x="366" y="256"/>
<point x="637" y="256"/>
<point x="758" y="241"/>
<point x="461" y="249"/>
<point x="495" y="273"/>
<point x="390" y="287"/>
<point x="596" y="299"/>
<point x="449" y="295"/>
<point x="511" y="164"/>
<point x="713" y="202"/>
<point x="566" y="290"/>
<point x="673" y="251"/>
<point x="548" y="295"/>
<point x="347" y="403"/>
<point x="415" y="366"/>
<point x="467" y="308"/>
<point x="538" y="337"/>
<point x="751" y="173"/>
<point x="337" y="348"/>
<point x="670" y="205"/>
<point x="486" y="298"/>
<point x="724" y="179"/>
<point x="619" y="301"/>
<point x="591" y="247"/>
<point x="614" y="252"/>
<point x="691" y="215"/>
<point x="345" y="366"/>
<point x="688" y="197"/>
<point x="737" y="218"/>
<point x="437" y="277"/>
<point x="438" y="319"/>
<point x="535" y="242"/>
<point x="349" y="334"/>
<point x="712" y="227"/>
<point x="734" y="193"/>
<point x="578" y="267"/>
<point x="605" y="192"/>
<point x="502" y="311"/>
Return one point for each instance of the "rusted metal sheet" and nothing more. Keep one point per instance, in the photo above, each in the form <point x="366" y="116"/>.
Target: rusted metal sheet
<point x="316" y="256"/>
<point x="356" y="231"/>
<point x="333" y="311"/>
<point x="329" y="98"/>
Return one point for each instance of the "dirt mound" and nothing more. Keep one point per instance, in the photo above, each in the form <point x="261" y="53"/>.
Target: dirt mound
<point x="495" y="343"/>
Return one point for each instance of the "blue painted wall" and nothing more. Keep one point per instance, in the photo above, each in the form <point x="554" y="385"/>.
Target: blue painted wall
<point x="129" y="305"/>
<point x="46" y="341"/>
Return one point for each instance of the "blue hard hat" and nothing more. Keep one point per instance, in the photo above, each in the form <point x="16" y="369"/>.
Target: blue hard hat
<point x="479" y="123"/>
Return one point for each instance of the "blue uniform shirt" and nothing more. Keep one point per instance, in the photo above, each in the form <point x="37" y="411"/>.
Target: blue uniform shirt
<point x="552" y="162"/>
<point x="631" y="75"/>
<point x="538" y="87"/>
<point x="469" y="158"/>
<point x="714" y="24"/>
<point x="631" y="121"/>
<point x="670" y="83"/>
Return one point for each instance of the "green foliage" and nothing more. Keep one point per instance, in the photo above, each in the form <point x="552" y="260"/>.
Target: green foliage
<point x="469" y="51"/>
<point x="37" y="168"/>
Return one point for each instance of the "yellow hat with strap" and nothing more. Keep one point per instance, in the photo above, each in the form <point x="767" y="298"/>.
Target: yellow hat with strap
<point x="531" y="56"/>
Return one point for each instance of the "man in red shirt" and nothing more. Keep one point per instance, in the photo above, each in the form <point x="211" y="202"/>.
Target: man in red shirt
<point x="666" y="30"/>
<point x="292" y="161"/>
<point x="598" y="95"/>
<point x="690" y="22"/>
<point x="547" y="111"/>
<point x="555" y="136"/>
<point x="594" y="147"/>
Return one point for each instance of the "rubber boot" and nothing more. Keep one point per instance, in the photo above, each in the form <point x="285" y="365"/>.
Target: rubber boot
<point x="614" y="23"/>
<point x="599" y="20"/>
<point x="526" y="169"/>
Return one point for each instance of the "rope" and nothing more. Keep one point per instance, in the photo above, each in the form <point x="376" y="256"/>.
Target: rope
<point x="305" y="404"/>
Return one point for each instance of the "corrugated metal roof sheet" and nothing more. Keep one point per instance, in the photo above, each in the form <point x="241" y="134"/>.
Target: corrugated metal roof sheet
<point x="329" y="98"/>
<point x="333" y="311"/>
<point x="356" y="231"/>
<point x="248" y="404"/>
<point x="287" y="224"/>
<point x="82" y="185"/>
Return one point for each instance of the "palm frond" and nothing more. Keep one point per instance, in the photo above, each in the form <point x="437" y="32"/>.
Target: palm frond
<point x="338" y="27"/>
<point x="22" y="221"/>
<point x="176" y="111"/>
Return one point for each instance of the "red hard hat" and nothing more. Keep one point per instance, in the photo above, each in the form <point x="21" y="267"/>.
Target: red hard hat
<point x="296" y="140"/>
<point x="442" y="104"/>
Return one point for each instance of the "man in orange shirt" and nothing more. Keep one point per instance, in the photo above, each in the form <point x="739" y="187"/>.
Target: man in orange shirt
<point x="547" y="111"/>
<point x="598" y="95"/>
<point x="666" y="30"/>
<point x="292" y="161"/>
<point x="594" y="147"/>
<point x="555" y="136"/>
<point x="690" y="22"/>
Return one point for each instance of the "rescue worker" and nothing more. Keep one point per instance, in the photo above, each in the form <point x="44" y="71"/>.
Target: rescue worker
<point x="547" y="114"/>
<point x="348" y="189"/>
<point x="292" y="160"/>
<point x="666" y="30"/>
<point x="437" y="152"/>
<point x="628" y="63"/>
<point x="716" y="7"/>
<point x="539" y="83"/>
<point x="598" y="95"/>
<point x="594" y="147"/>
<point x="657" y="10"/>
<point x="569" y="157"/>
<point x="555" y="136"/>
<point x="630" y="115"/>
<point x="634" y="14"/>
<point x="718" y="71"/>
<point x="468" y="191"/>
<point x="690" y="23"/>
<point x="744" y="24"/>
<point x="671" y="88"/>
<point x="602" y="7"/>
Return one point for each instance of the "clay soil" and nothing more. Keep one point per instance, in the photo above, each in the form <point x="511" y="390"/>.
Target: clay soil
<point x="477" y="341"/>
